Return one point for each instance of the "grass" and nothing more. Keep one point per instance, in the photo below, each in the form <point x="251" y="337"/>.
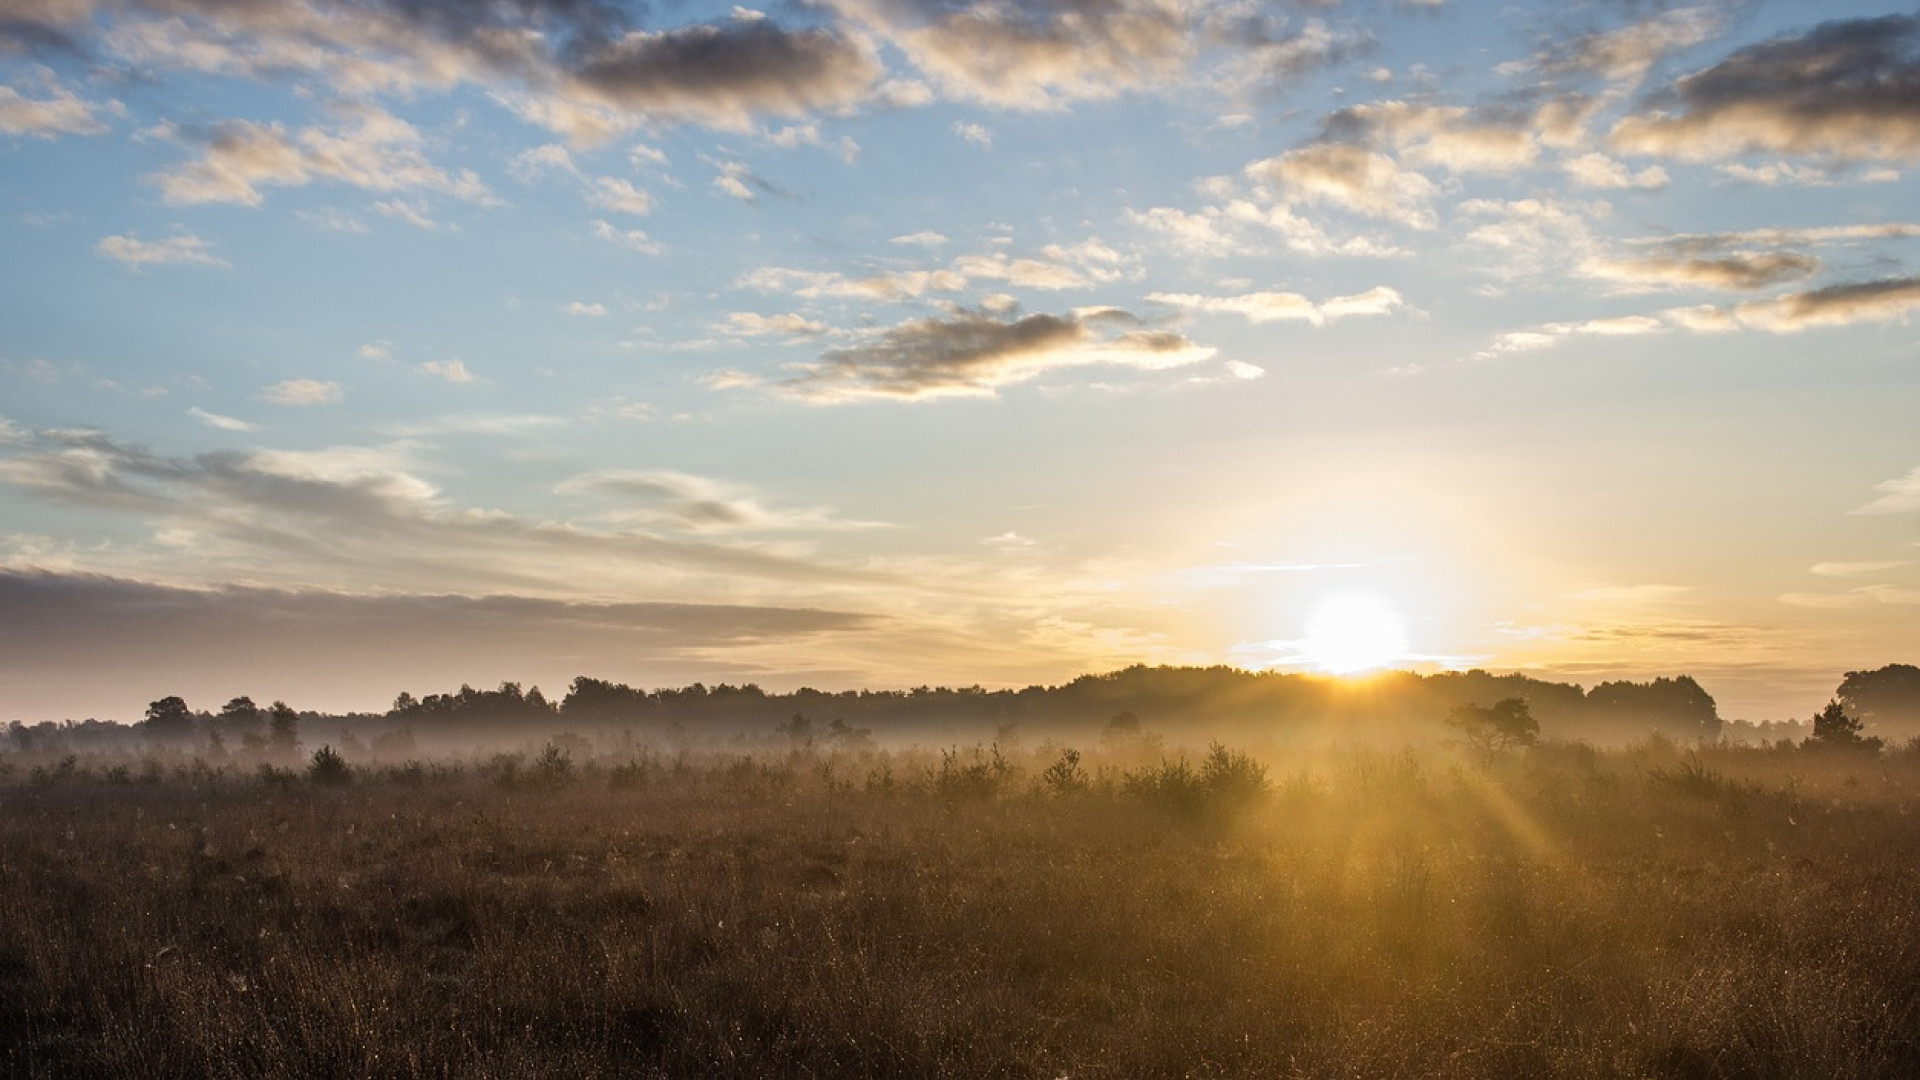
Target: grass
<point x="972" y="912"/>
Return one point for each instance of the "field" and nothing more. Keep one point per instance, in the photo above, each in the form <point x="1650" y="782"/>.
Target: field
<point x="1651" y="912"/>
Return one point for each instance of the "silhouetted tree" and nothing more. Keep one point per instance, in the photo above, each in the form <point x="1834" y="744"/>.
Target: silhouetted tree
<point x="169" y="720"/>
<point x="1886" y="698"/>
<point x="283" y="732"/>
<point x="1833" y="729"/>
<point x="243" y="718"/>
<point x="1496" y="728"/>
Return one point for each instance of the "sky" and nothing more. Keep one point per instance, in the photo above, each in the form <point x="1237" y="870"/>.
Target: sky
<point x="350" y="347"/>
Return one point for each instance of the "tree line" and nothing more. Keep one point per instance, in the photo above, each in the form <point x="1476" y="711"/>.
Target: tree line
<point x="1885" y="701"/>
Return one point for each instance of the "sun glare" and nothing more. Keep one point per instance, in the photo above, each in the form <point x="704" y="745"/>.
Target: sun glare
<point x="1348" y="634"/>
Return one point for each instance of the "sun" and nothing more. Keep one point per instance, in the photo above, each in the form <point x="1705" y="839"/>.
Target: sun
<point x="1352" y="633"/>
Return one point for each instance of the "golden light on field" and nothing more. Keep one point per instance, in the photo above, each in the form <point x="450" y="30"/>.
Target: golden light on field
<point x="1352" y="633"/>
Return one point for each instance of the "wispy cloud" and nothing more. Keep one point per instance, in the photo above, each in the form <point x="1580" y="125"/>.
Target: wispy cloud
<point x="1265" y="307"/>
<point x="1901" y="495"/>
<point x="454" y="371"/>
<point x="60" y="112"/>
<point x="221" y="423"/>
<point x="664" y="498"/>
<point x="372" y="149"/>
<point x="303" y="392"/>
<point x="631" y="239"/>
<point x="134" y="253"/>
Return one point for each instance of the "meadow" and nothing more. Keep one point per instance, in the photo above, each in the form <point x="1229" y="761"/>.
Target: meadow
<point x="1125" y="910"/>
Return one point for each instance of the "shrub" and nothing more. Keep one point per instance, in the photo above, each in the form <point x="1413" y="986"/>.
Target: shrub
<point x="329" y="768"/>
<point x="553" y="768"/>
<point x="1226" y="782"/>
<point x="1065" y="776"/>
<point x="976" y="777"/>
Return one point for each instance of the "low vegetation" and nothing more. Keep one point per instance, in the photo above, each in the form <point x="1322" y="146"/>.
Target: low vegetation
<point x="821" y="907"/>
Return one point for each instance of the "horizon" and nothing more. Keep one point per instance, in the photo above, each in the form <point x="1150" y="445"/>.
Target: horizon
<point x="356" y="348"/>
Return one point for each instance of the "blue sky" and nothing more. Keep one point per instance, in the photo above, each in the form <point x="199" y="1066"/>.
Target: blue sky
<point x="348" y="348"/>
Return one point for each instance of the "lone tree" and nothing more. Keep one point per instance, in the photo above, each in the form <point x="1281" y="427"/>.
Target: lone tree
<point x="1496" y="728"/>
<point x="169" y="720"/>
<point x="1834" y="729"/>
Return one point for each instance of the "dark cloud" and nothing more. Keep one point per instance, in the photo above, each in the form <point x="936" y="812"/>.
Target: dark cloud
<point x="106" y="645"/>
<point x="559" y="61"/>
<point x="1846" y="89"/>
<point x="973" y="352"/>
<point x="1835" y="305"/>
<point x="43" y="27"/>
<point x="726" y="74"/>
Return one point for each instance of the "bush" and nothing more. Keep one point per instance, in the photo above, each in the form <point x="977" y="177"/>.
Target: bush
<point x="329" y="768"/>
<point x="978" y="777"/>
<point x="553" y="768"/>
<point x="1065" y="776"/>
<point x="1226" y="782"/>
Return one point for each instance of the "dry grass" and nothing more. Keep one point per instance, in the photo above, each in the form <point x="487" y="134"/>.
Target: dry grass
<point x="1373" y="914"/>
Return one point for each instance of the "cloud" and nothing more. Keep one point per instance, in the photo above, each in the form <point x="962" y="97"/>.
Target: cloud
<point x="736" y="180"/>
<point x="1528" y="237"/>
<point x="222" y="423"/>
<point x="1446" y="136"/>
<point x="374" y="150"/>
<point x="1035" y="56"/>
<point x="924" y="238"/>
<point x="753" y="324"/>
<point x="1862" y="596"/>
<point x="577" y="67"/>
<point x="1352" y="178"/>
<point x="1600" y="171"/>
<point x="725" y="75"/>
<point x="794" y="136"/>
<point x="613" y="193"/>
<point x="1738" y="270"/>
<point x="819" y="284"/>
<point x="684" y="502"/>
<point x="631" y="239"/>
<point x="303" y="392"/>
<point x="1830" y="234"/>
<point x="133" y="253"/>
<point x="1901" y="495"/>
<point x="585" y="310"/>
<point x="1857" y="569"/>
<point x="1550" y="335"/>
<point x="454" y="371"/>
<point x="1846" y="90"/>
<point x="409" y="211"/>
<point x="60" y="113"/>
<point x="1266" y="52"/>
<point x="1625" y="55"/>
<point x="977" y="134"/>
<point x="1223" y="230"/>
<point x="1265" y="307"/>
<point x="342" y="517"/>
<point x="1789" y="174"/>
<point x="1836" y="305"/>
<point x="974" y="353"/>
